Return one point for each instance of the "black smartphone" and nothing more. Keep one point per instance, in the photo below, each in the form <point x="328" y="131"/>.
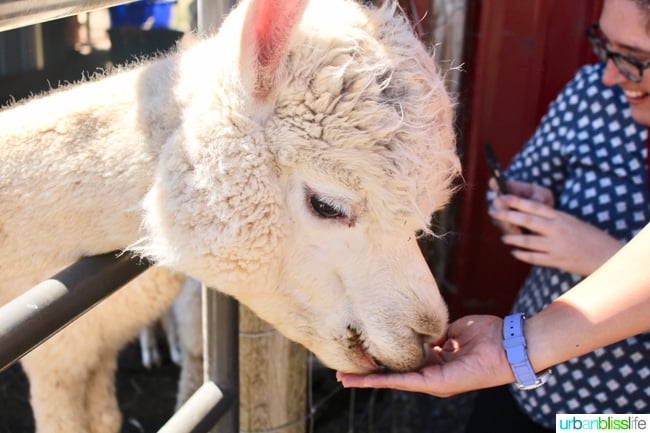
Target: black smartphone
<point x="495" y="167"/>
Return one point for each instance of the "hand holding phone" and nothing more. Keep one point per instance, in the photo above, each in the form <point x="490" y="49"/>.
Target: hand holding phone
<point x="497" y="173"/>
<point x="495" y="167"/>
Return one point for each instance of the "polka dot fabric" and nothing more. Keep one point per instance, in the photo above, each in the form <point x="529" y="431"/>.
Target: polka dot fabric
<point x="593" y="156"/>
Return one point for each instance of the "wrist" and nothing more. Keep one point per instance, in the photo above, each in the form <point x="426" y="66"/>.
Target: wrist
<point x="515" y="346"/>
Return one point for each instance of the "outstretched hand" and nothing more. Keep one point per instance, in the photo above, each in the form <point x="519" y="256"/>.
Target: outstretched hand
<point x="470" y="358"/>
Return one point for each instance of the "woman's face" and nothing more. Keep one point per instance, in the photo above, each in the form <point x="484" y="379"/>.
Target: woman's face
<point x="625" y="27"/>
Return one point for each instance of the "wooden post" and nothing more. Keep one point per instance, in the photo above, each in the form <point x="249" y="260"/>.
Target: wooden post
<point x="272" y="378"/>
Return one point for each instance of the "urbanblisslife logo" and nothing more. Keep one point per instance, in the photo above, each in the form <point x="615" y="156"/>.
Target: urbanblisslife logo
<point x="602" y="423"/>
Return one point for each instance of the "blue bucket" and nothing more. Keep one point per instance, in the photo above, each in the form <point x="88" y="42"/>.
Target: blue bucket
<point x="137" y="13"/>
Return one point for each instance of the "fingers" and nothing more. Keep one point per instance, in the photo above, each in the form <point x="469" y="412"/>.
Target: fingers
<point x="526" y="190"/>
<point x="492" y="184"/>
<point x="530" y="242"/>
<point x="531" y="191"/>
<point x="511" y="218"/>
<point x="442" y="354"/>
<point x="532" y="257"/>
<point x="525" y="205"/>
<point x="499" y="203"/>
<point x="523" y="213"/>
<point x="521" y="189"/>
<point x="497" y="208"/>
<point x="402" y="381"/>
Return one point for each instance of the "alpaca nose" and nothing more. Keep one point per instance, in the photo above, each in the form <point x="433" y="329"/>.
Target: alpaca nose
<point x="429" y="328"/>
<point x="410" y="359"/>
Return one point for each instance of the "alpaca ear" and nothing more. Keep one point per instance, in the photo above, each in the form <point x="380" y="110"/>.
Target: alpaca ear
<point x="268" y="26"/>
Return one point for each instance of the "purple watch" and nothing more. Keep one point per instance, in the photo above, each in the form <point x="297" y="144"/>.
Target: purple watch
<point x="515" y="345"/>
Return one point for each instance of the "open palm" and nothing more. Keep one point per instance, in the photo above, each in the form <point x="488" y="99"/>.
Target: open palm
<point x="471" y="357"/>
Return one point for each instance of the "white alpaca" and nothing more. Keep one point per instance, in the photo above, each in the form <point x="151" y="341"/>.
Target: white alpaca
<point x="288" y="161"/>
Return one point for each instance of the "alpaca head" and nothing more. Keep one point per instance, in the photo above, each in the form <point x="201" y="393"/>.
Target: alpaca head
<point x="313" y="151"/>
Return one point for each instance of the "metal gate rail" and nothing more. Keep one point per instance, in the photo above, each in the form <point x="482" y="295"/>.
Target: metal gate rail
<point x="41" y="312"/>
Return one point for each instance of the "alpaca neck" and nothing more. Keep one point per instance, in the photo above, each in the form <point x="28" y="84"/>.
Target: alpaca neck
<point x="76" y="165"/>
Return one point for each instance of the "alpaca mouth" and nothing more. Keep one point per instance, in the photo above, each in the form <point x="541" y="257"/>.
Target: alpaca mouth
<point x="357" y="344"/>
<point x="365" y="360"/>
<point x="374" y="363"/>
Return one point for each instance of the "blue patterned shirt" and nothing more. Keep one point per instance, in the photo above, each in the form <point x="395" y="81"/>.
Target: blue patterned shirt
<point x="593" y="156"/>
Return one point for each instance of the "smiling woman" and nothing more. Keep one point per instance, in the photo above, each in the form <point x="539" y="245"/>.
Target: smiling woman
<point x="588" y="159"/>
<point x="625" y="24"/>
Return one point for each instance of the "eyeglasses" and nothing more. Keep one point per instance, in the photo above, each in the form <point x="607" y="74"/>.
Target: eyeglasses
<point x="630" y="68"/>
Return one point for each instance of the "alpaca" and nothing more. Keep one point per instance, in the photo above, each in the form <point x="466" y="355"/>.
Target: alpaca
<point x="290" y="161"/>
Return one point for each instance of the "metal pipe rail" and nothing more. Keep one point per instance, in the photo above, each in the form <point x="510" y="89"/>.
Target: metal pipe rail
<point x="200" y="413"/>
<point x="20" y="13"/>
<point x="36" y="315"/>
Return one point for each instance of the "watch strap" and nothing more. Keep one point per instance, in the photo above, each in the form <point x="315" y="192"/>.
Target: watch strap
<point x="514" y="344"/>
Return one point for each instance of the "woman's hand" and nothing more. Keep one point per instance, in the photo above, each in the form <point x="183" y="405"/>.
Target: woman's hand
<point x="517" y="188"/>
<point x="470" y="358"/>
<point x="557" y="239"/>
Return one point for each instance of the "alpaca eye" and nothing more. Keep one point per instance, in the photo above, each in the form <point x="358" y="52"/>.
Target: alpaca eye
<point x="324" y="209"/>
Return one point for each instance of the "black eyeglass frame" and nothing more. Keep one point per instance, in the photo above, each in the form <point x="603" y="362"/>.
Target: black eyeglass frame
<point x="599" y="47"/>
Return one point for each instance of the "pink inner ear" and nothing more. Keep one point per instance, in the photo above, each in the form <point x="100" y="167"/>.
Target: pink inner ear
<point x="272" y="24"/>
